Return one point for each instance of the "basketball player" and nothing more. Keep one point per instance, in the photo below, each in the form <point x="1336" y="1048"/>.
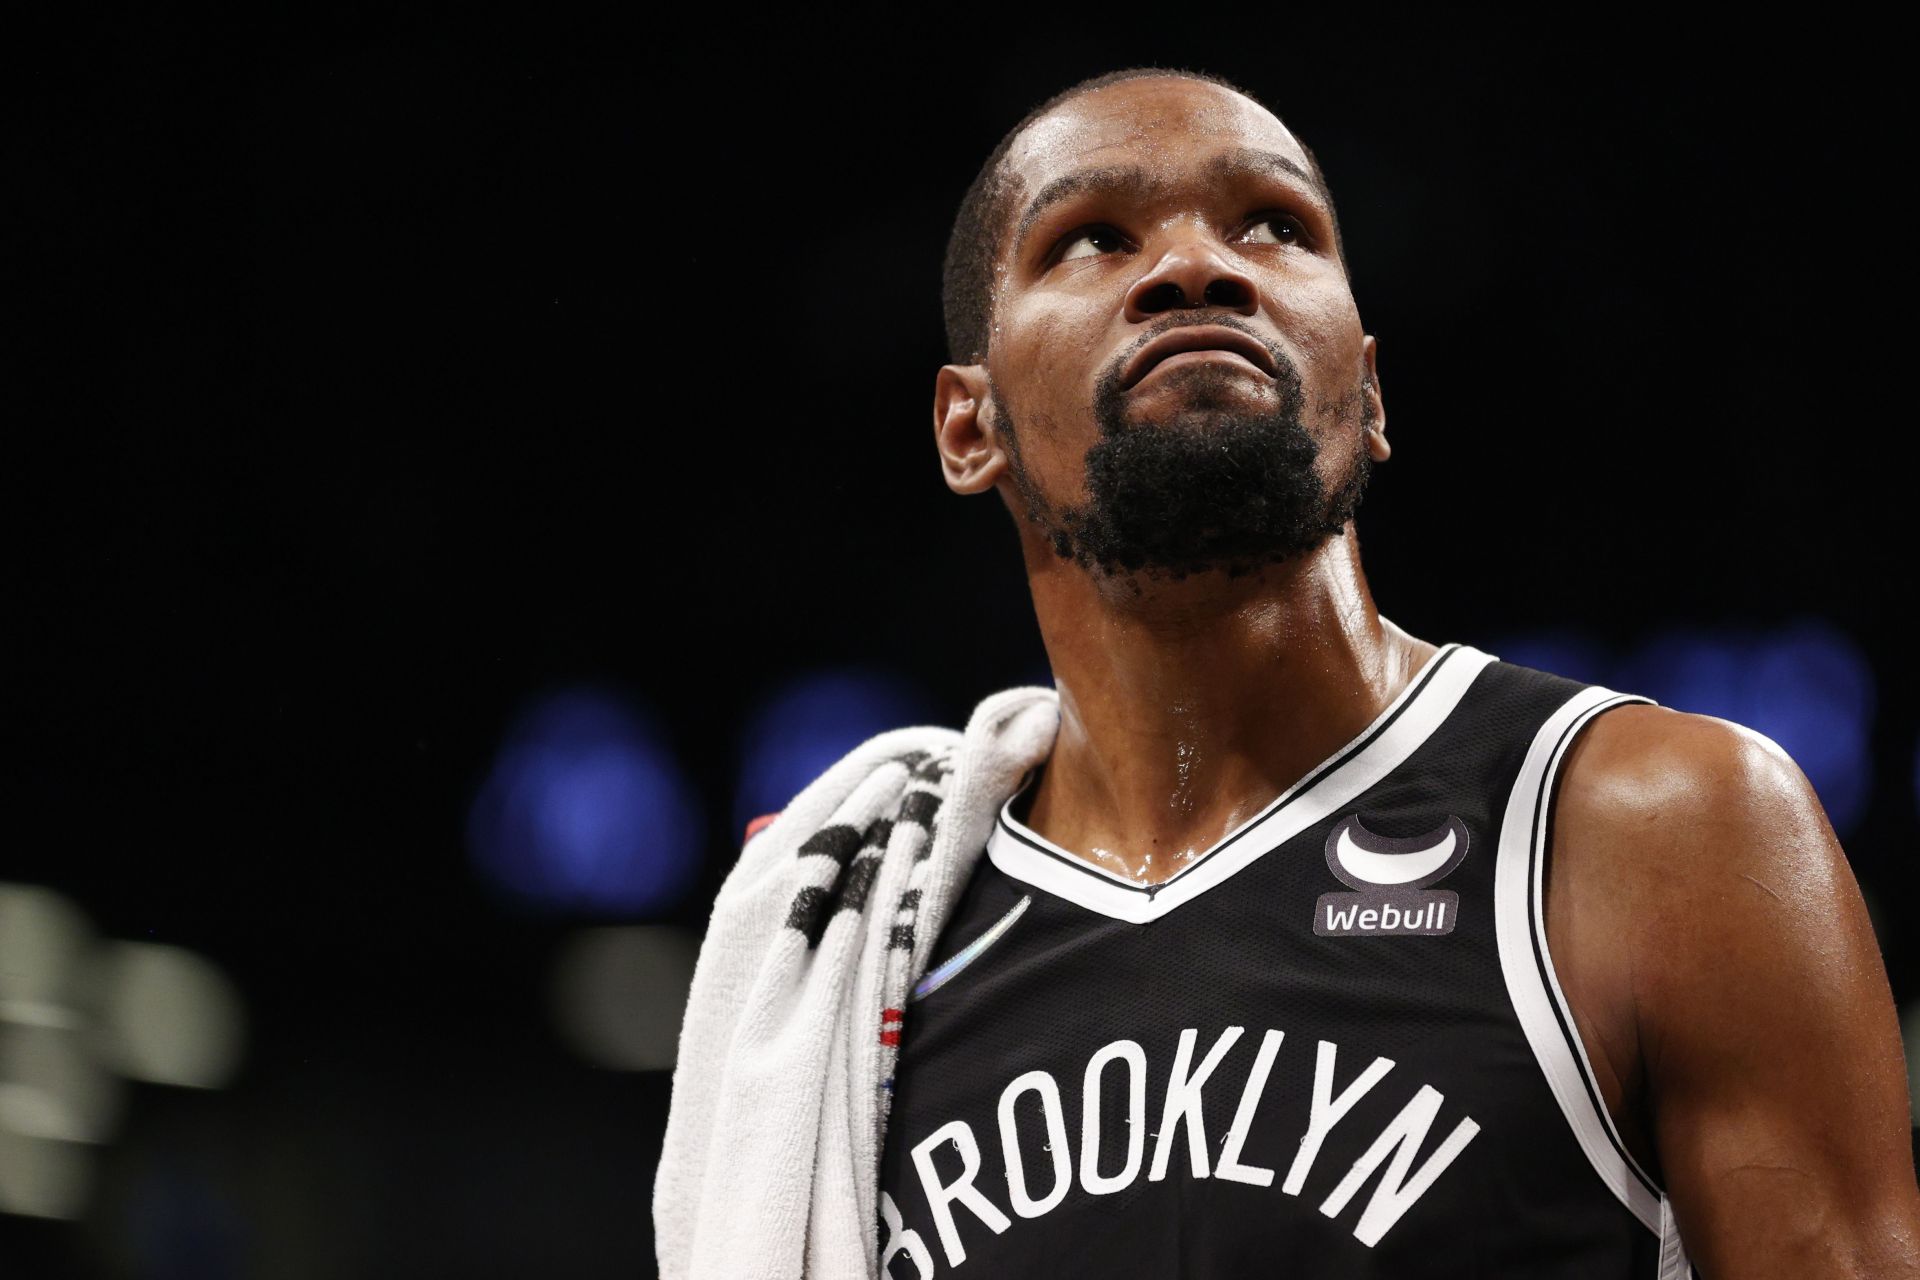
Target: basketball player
<point x="1159" y="365"/>
<point x="1314" y="948"/>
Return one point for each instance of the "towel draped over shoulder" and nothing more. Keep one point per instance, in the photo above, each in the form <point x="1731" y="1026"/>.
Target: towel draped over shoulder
<point x="770" y="1167"/>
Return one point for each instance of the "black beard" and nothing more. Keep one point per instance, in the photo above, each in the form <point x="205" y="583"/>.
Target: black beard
<point x="1213" y="489"/>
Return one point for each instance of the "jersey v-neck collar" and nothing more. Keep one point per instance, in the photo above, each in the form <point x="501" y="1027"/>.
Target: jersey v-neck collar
<point x="1337" y="781"/>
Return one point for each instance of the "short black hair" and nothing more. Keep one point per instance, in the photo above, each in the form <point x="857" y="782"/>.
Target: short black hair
<point x="966" y="290"/>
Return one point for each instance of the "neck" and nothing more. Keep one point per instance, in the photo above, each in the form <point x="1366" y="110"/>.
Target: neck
<point x="1185" y="710"/>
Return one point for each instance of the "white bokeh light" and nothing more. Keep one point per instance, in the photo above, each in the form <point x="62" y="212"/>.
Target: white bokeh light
<point x="167" y="1016"/>
<point x="43" y="939"/>
<point x="50" y="1087"/>
<point x="619" y="994"/>
<point x="42" y="1177"/>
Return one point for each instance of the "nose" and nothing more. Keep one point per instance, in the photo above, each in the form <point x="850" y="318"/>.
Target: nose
<point x="1192" y="272"/>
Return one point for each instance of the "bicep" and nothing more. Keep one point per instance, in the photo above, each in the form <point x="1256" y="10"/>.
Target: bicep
<point x="1772" y="1051"/>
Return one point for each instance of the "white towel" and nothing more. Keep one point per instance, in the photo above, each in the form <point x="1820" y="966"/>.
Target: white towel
<point x="770" y="1167"/>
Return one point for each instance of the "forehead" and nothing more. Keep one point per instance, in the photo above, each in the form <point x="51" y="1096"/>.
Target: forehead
<point x="1167" y="126"/>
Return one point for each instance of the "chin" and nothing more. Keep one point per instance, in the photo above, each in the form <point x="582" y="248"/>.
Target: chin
<point x="1193" y="416"/>
<point x="1201" y="399"/>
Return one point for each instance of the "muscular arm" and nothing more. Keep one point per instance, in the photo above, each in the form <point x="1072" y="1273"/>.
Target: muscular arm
<point x="1723" y="954"/>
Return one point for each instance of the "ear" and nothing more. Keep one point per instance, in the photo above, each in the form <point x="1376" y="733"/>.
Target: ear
<point x="1377" y="430"/>
<point x="971" y="455"/>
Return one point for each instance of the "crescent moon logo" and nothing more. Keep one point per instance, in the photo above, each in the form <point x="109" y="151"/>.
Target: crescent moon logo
<point x="1365" y="860"/>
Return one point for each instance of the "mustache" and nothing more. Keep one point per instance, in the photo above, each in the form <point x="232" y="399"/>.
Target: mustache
<point x="1109" y="393"/>
<point x="1281" y="361"/>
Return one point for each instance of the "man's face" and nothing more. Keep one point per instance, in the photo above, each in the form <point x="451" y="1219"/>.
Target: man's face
<point x="1153" y="216"/>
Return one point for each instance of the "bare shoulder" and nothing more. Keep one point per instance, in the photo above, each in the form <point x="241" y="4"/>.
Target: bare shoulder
<point x="1718" y="932"/>
<point x="1641" y="763"/>
<point x="1681" y="798"/>
<point x="1691" y="854"/>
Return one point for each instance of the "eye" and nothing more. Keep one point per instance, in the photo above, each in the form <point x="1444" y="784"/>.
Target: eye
<point x="1099" y="239"/>
<point x="1278" y="228"/>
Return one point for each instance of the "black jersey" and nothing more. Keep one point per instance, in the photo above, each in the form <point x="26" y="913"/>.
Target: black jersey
<point x="1333" y="1045"/>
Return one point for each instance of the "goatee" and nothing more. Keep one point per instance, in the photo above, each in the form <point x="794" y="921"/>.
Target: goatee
<point x="1214" y="488"/>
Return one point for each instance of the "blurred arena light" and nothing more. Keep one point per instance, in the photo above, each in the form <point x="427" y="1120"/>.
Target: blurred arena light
<point x="587" y="808"/>
<point x="78" y="1014"/>
<point x="167" y="1016"/>
<point x="619" y="994"/>
<point x="1806" y="686"/>
<point x="809" y="724"/>
<point x="43" y="1177"/>
<point x="43" y="938"/>
<point x="50" y="1087"/>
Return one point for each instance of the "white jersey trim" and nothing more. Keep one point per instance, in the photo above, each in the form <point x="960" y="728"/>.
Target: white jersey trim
<point x="1377" y="751"/>
<point x="1534" y="988"/>
<point x="1673" y="1255"/>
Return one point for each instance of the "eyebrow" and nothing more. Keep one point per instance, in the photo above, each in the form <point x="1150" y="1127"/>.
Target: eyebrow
<point x="1116" y="178"/>
<point x="1243" y="160"/>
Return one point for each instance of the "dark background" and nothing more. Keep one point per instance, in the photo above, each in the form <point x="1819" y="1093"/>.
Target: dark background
<point x="378" y="378"/>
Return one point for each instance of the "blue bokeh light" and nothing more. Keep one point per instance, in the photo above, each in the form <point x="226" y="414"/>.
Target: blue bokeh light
<point x="810" y="723"/>
<point x="1807" y="686"/>
<point x="586" y="808"/>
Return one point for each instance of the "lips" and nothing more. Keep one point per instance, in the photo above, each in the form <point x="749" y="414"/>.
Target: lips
<point x="1197" y="337"/>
